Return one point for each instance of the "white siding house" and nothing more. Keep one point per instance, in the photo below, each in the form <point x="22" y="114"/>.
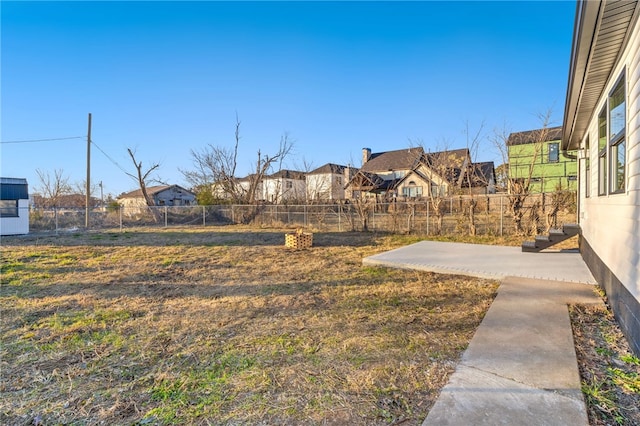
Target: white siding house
<point x="602" y="120"/>
<point x="14" y="206"/>
<point x="327" y="183"/>
<point x="285" y="185"/>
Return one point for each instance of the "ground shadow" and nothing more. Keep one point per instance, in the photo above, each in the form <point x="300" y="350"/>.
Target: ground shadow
<point x="204" y="238"/>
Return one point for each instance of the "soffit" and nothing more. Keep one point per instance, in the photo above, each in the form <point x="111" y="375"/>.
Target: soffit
<point x="600" y="33"/>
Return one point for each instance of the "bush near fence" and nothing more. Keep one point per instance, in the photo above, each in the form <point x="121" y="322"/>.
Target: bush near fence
<point x="491" y="216"/>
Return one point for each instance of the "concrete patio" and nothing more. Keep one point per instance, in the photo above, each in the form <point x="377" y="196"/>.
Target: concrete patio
<point x="520" y="367"/>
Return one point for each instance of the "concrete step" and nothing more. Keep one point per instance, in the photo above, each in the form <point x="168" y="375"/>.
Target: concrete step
<point x="571" y="229"/>
<point x="555" y="236"/>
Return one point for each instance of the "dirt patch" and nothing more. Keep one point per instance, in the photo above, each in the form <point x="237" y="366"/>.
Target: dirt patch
<point x="609" y="371"/>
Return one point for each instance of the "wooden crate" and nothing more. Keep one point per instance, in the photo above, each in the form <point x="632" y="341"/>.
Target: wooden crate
<point x="298" y="240"/>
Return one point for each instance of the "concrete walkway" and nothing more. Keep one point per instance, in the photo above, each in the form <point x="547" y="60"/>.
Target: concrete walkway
<point x="520" y="367"/>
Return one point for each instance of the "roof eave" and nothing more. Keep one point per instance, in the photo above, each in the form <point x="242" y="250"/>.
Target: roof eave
<point x="596" y="49"/>
<point x="586" y="21"/>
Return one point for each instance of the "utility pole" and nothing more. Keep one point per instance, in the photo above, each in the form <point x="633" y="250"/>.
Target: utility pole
<point x="101" y="197"/>
<point x="88" y="197"/>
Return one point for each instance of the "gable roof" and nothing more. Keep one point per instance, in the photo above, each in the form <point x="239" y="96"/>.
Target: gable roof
<point x="328" y="168"/>
<point x="371" y="182"/>
<point x="287" y="174"/>
<point x="402" y="159"/>
<point x="533" y="136"/>
<point x="451" y="158"/>
<point x="481" y="174"/>
<point x="449" y="165"/>
<point x="151" y="190"/>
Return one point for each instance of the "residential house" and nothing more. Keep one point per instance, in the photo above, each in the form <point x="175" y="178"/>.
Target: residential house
<point x="14" y="206"/>
<point x="536" y="155"/>
<point x="412" y="173"/>
<point x="283" y="186"/>
<point x="245" y="184"/>
<point x="327" y="183"/>
<point x="602" y="121"/>
<point x="162" y="195"/>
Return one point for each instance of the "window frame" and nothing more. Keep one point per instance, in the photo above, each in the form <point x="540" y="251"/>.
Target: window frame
<point x="587" y="168"/>
<point x="556" y="158"/>
<point x="412" y="190"/>
<point x="617" y="142"/>
<point x="9" y="210"/>
<point x="603" y="130"/>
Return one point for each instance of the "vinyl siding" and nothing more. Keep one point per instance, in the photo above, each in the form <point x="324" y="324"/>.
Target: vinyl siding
<point x="611" y="223"/>
<point x="16" y="225"/>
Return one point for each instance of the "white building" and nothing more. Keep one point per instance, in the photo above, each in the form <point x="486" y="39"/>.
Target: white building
<point x="284" y="185"/>
<point x="327" y="183"/>
<point x="14" y="206"/>
<point x="602" y="120"/>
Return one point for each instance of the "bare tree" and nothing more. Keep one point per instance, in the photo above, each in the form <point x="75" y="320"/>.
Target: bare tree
<point x="441" y="171"/>
<point x="470" y="174"/>
<point x="215" y="170"/>
<point x="143" y="177"/>
<point x="264" y="166"/>
<point x="81" y="188"/>
<point x="519" y="185"/>
<point x="560" y="199"/>
<point x="53" y="187"/>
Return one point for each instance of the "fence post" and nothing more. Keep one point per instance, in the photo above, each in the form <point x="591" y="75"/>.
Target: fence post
<point x="304" y="214"/>
<point x="373" y="218"/>
<point x="501" y="214"/>
<point x="428" y="217"/>
<point x="120" y="214"/>
<point x="165" y="216"/>
<point x="339" y="217"/>
<point x="204" y="215"/>
<point x="55" y="216"/>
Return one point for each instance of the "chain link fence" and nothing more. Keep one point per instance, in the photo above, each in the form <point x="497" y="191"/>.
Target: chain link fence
<point x="491" y="216"/>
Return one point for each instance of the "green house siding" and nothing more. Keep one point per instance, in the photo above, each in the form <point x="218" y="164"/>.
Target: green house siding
<point x="547" y="175"/>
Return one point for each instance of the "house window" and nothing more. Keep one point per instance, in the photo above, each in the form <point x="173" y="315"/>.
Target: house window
<point x="617" y="136"/>
<point x="554" y="153"/>
<point x="339" y="180"/>
<point x="602" y="152"/>
<point x="8" y="208"/>
<point x="438" y="191"/>
<point x="412" y="190"/>
<point x="587" y="169"/>
<point x="288" y="184"/>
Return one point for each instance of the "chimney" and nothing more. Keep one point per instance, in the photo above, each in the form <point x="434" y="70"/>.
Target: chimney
<point x="366" y="155"/>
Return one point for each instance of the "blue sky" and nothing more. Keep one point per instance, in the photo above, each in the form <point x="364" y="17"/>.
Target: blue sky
<point x="163" y="78"/>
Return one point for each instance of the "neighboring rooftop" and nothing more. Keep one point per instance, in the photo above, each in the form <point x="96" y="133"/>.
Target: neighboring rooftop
<point x="328" y="168"/>
<point x="402" y="159"/>
<point x="537" y="135"/>
<point x="151" y="190"/>
<point x="287" y="174"/>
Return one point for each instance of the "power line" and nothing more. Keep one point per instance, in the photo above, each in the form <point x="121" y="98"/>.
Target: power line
<point x="44" y="140"/>
<point x="108" y="157"/>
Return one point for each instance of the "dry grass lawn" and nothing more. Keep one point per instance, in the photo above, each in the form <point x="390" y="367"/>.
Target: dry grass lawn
<point x="224" y="326"/>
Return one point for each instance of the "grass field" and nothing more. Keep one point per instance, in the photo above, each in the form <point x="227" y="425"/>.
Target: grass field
<point x="225" y="326"/>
